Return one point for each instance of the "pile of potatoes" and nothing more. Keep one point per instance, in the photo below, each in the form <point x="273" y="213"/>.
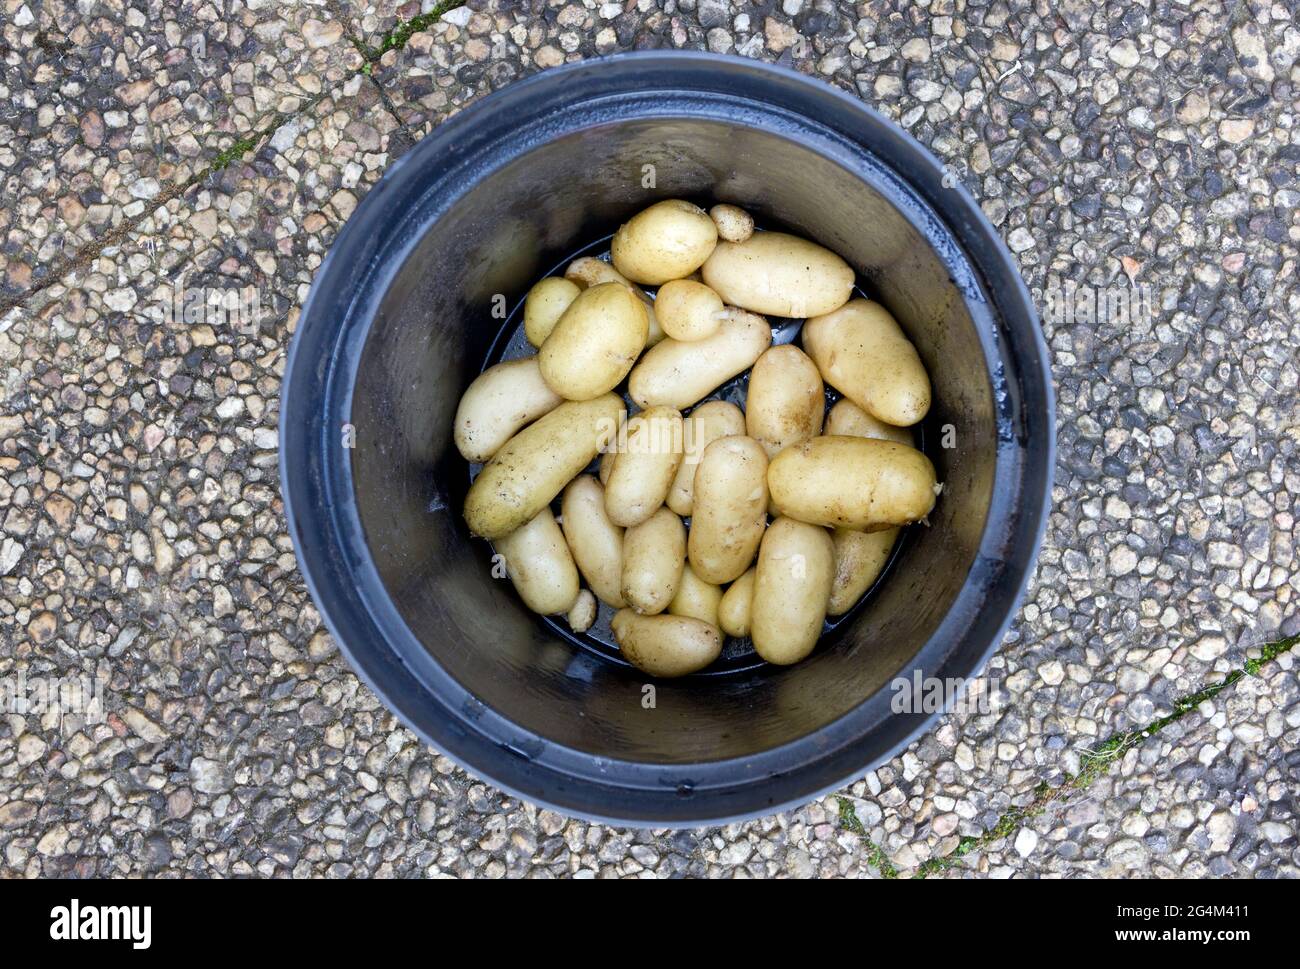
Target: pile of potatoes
<point x="838" y="486"/>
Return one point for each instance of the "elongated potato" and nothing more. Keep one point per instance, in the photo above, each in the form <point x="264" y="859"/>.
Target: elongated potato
<point x="590" y="271"/>
<point x="501" y="400"/>
<point x="792" y="585"/>
<point x="730" y="508"/>
<point x="595" y="343"/>
<point x="606" y="466"/>
<point x="733" y="610"/>
<point x="666" y="645"/>
<point x="677" y="373"/>
<point x="851" y="482"/>
<point x="669" y="240"/>
<point x="859" y="557"/>
<point x="734" y="223"/>
<point x="862" y="353"/>
<point x="779" y="274"/>
<point x="786" y="399"/>
<point x="848" y="419"/>
<point x="582" y="614"/>
<point x="645" y="466"/>
<point x="533" y="466"/>
<point x="688" y="310"/>
<point x="545" y="304"/>
<point x="707" y="423"/>
<point x="540" y="566"/>
<point x="595" y="541"/>
<point x="696" y="598"/>
<point x="654" y="554"/>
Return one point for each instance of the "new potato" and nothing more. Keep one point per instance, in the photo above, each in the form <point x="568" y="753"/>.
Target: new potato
<point x="859" y="557"/>
<point x="734" y="223"/>
<point x="779" y="275"/>
<point x="582" y="615"/>
<point x="861" y="352"/>
<point x="595" y="541"/>
<point x="688" y="310"/>
<point x="589" y="271"/>
<point x="677" y="373"/>
<point x="666" y="645"/>
<point x="792" y="585"/>
<point x="848" y="419"/>
<point x="696" y="598"/>
<point x="852" y="482"/>
<point x="500" y="401"/>
<point x="644" y="468"/>
<point x="785" y="401"/>
<point x="706" y="423"/>
<point x="654" y="554"/>
<point x="669" y="240"/>
<point x="595" y="342"/>
<point x="544" y="305"/>
<point x="734" y="609"/>
<point x="730" y="508"/>
<point x="540" y="566"/>
<point x="534" y="466"/>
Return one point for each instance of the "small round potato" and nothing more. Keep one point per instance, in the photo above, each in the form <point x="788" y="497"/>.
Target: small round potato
<point x="792" y="585"/>
<point x="595" y="541"/>
<point x="730" y="508"/>
<point x="851" y="482"/>
<point x="544" y="305"/>
<point x="785" y="401"/>
<point x="654" y="554"/>
<point x="848" y="419"/>
<point x="734" y="223"/>
<point x="534" y="466"/>
<point x="708" y="422"/>
<point x="666" y="645"/>
<point x="582" y="616"/>
<point x="688" y="310"/>
<point x="645" y="466"/>
<point x="696" y="598"/>
<point x="500" y="401"/>
<point x="862" y="353"/>
<point x="590" y="271"/>
<point x="595" y="343"/>
<point x="677" y="373"/>
<point x="540" y="566"/>
<point x="733" y="610"/>
<point x="669" y="240"/>
<point x="780" y="275"/>
<point x="859" y="558"/>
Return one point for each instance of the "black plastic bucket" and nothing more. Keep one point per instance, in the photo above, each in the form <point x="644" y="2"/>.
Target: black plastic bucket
<point x="400" y="320"/>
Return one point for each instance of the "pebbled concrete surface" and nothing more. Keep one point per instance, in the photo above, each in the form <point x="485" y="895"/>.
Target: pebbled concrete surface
<point x="141" y="533"/>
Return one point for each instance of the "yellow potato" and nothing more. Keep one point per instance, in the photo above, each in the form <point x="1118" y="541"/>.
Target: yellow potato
<point x="540" y="566"/>
<point x="500" y="401"/>
<point x="582" y="615"/>
<point x="707" y="423"/>
<point x="654" y="554"/>
<point x="733" y="610"/>
<point x="779" y="274"/>
<point x="595" y="343"/>
<point x="848" y="419"/>
<point x="590" y="271"/>
<point x="734" y="223"/>
<point x="688" y="310"/>
<point x="645" y="466"/>
<point x="859" y="558"/>
<point x="533" y="466"/>
<point x="730" y="508"/>
<point x="792" y="585"/>
<point x="666" y="645"/>
<point x="677" y="373"/>
<point x="606" y="465"/>
<point x="851" y="482"/>
<point x="595" y="541"/>
<point x="669" y="240"/>
<point x="544" y="305"/>
<point x="696" y="598"/>
<point x="863" y="354"/>
<point x="785" y="401"/>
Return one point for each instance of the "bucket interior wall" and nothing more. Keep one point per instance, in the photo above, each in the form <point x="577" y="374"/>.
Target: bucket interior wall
<point x="432" y="335"/>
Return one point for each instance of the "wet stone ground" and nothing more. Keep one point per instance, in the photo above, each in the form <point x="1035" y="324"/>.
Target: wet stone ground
<point x="142" y="538"/>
